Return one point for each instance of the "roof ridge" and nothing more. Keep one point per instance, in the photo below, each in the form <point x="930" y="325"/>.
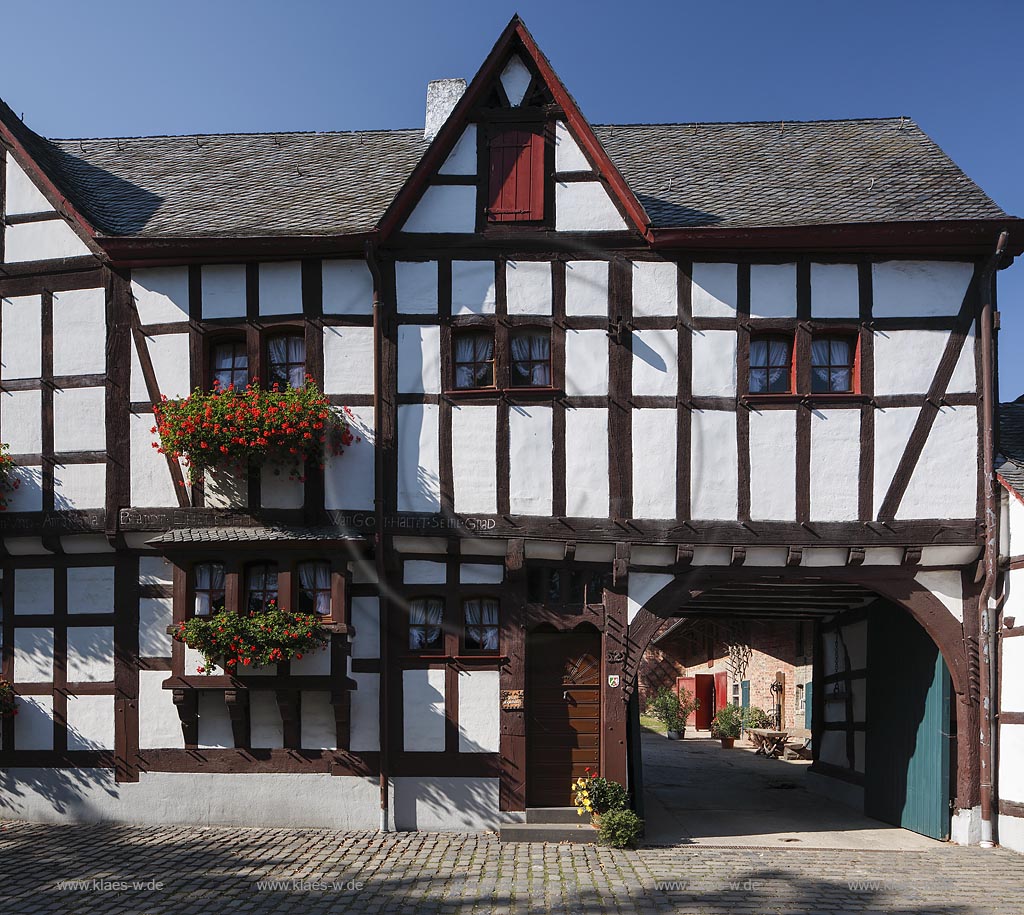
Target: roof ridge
<point x="255" y="133"/>
<point x="906" y="119"/>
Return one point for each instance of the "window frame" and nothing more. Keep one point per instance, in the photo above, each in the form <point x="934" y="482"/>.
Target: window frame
<point x="194" y="590"/>
<point x="247" y="569"/>
<point x="464" y="648"/>
<point x="768" y="337"/>
<point x="441" y="650"/>
<point x="474" y="330"/>
<point x="523" y="329"/>
<point x="837" y="334"/>
<point x="226" y="339"/>
<point x="502" y="333"/>
<point x="298" y="589"/>
<point x="802" y="336"/>
<point x="287" y="332"/>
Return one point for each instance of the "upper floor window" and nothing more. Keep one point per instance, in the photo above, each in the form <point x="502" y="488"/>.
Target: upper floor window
<point x="531" y="358"/>
<point x="473" y="358"/>
<point x="287" y="360"/>
<point x="315" y="587"/>
<point x="481" y="624"/>
<point x="229" y="364"/>
<point x="209" y="588"/>
<point x="771" y="365"/>
<point x="426" y="615"/>
<point x="832" y="365"/>
<point x="260" y="586"/>
<point x="516" y="176"/>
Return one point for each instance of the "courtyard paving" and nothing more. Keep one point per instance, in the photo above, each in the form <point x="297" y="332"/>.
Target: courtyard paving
<point x="151" y="871"/>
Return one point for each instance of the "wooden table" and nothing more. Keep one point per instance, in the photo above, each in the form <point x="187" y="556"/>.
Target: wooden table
<point x="769" y="743"/>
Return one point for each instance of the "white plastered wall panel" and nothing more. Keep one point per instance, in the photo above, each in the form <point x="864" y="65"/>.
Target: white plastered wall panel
<point x="714" y="291"/>
<point x="161" y="294"/>
<point x="444" y="208"/>
<point x="586" y="363"/>
<point x="28" y="497"/>
<point x="349" y="477"/>
<point x="170" y="357"/>
<point x="919" y="288"/>
<point x="773" y="290"/>
<point x="280" y="285"/>
<point x="474" y="467"/>
<point x="584" y="206"/>
<point x="21" y="195"/>
<point x="223" y="288"/>
<point x="52" y="239"/>
<point x="773" y="465"/>
<point x="947" y="586"/>
<point x="654" y="463"/>
<point x="78" y="419"/>
<point x="280" y="486"/>
<point x="479" y="711"/>
<point x="835" y="291"/>
<point x="945" y="481"/>
<point x="462" y="159"/>
<point x="80" y="332"/>
<point x="586" y="463"/>
<point x="366" y="622"/>
<point x="33" y="591"/>
<point x="90" y="654"/>
<point x="586" y="288"/>
<point x="530" y="466"/>
<point x="835" y="464"/>
<point x="159" y="724"/>
<point x="347" y="287"/>
<point x="318" y="727"/>
<point x="155" y="615"/>
<point x="364" y="714"/>
<point x="713" y="465"/>
<point x="90" y="722"/>
<point x="713" y="361"/>
<point x="568" y="155"/>
<point x="419" y="358"/>
<point x="1012" y="694"/>
<point x="641" y="587"/>
<point x="416" y="287"/>
<point x="348" y="360"/>
<point x="655" y="362"/>
<point x="423" y="710"/>
<point x="893" y="426"/>
<point x="515" y="80"/>
<point x="90" y="589"/>
<point x="33" y="654"/>
<point x="419" y="486"/>
<point x="21" y="353"/>
<point x="21" y="421"/>
<point x="528" y="288"/>
<point x="655" y="288"/>
<point x="964" y="379"/>
<point x="906" y="360"/>
<point x="214" y="721"/>
<point x="1011" y="762"/>
<point x="265" y="726"/>
<point x="473" y="287"/>
<point x="151" y="483"/>
<point x="33" y="725"/>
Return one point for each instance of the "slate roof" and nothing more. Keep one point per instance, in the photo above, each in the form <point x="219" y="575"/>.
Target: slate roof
<point x="1010" y="459"/>
<point x="269" y="534"/>
<point x="729" y="175"/>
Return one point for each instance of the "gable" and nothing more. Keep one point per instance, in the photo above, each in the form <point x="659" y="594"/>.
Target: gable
<point x="556" y="176"/>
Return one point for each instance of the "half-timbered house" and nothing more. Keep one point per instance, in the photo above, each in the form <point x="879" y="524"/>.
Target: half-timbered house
<point x="599" y="376"/>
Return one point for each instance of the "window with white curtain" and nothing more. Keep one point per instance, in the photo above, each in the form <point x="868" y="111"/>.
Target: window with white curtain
<point x="209" y="588"/>
<point x="286" y="357"/>
<point x="482" y="626"/>
<point x="426" y="615"/>
<point x="473" y="359"/>
<point x="314" y="594"/>
<point x="530" y="358"/>
<point x="771" y="365"/>
<point x="832" y="365"/>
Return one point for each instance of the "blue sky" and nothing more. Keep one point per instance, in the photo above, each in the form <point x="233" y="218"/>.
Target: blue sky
<point x="118" y="68"/>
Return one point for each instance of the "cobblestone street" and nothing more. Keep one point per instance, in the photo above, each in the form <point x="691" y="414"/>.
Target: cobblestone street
<point x="77" y="869"/>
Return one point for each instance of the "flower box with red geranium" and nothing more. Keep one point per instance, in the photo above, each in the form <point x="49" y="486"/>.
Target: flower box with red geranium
<point x="240" y="642"/>
<point x="8" y="699"/>
<point x="8" y="479"/>
<point x="233" y="428"/>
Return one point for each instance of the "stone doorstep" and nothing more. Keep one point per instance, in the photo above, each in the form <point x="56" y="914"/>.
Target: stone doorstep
<point x="578" y="834"/>
<point x="553" y="815"/>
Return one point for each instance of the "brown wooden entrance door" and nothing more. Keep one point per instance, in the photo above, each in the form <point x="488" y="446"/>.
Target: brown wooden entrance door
<point x="563" y="695"/>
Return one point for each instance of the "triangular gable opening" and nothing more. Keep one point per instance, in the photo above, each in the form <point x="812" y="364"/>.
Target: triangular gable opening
<point x="491" y="164"/>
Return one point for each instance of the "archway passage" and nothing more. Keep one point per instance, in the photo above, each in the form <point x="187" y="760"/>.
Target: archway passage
<point x="876" y="703"/>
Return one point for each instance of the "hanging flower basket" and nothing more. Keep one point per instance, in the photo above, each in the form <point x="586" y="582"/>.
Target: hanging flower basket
<point x="8" y="699"/>
<point x="9" y="481"/>
<point x="229" y="427"/>
<point x="235" y="640"/>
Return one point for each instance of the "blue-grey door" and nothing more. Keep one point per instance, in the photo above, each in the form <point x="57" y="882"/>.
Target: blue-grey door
<point x="908" y="736"/>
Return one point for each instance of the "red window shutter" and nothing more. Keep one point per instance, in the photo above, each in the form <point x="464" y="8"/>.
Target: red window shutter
<point x="516" y="181"/>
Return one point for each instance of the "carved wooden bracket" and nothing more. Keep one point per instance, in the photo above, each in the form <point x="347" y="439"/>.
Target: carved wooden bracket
<point x="186" y="701"/>
<point x="620" y="565"/>
<point x="237" y="702"/>
<point x="288" y="706"/>
<point x="341" y="702"/>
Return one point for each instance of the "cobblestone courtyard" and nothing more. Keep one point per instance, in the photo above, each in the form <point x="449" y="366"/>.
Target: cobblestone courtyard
<point x="79" y="869"/>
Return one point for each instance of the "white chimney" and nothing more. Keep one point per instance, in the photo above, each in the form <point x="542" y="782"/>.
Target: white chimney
<point x="442" y="96"/>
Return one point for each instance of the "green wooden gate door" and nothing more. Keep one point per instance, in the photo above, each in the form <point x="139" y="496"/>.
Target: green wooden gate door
<point x="907" y="745"/>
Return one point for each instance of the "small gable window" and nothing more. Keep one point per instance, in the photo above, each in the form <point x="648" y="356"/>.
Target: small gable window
<point x="516" y="176"/>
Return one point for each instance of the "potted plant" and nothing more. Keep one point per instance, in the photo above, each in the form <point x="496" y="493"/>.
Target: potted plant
<point x="8" y="699"/>
<point x="597" y="796"/>
<point x="9" y="480"/>
<point x="229" y="428"/>
<point x="726" y="725"/>
<point x="672" y="709"/>
<point x="754" y="717"/>
<point x="236" y="640"/>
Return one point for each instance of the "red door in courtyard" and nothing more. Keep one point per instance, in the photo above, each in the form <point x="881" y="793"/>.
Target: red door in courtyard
<point x="563" y="699"/>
